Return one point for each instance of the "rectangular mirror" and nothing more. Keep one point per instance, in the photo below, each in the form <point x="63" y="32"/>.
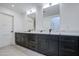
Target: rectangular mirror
<point x="51" y="18"/>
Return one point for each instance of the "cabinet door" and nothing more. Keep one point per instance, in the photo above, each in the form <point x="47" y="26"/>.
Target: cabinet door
<point x="19" y="38"/>
<point x="68" y="45"/>
<point x="25" y="40"/>
<point x="43" y="43"/>
<point x="53" y="45"/>
<point x="32" y="41"/>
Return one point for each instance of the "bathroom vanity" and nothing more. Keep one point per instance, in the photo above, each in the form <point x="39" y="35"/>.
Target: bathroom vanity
<point x="49" y="44"/>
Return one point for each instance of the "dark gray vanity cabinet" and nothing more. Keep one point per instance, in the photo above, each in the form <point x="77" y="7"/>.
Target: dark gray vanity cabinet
<point x="42" y="43"/>
<point x="53" y="45"/>
<point x="50" y="45"/>
<point x="32" y="41"/>
<point x="25" y="40"/>
<point x="68" y="45"/>
<point x="19" y="38"/>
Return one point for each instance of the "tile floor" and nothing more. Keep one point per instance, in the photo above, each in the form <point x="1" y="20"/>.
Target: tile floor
<point x="15" y="50"/>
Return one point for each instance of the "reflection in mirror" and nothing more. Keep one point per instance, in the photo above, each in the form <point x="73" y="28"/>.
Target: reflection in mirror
<point x="30" y="22"/>
<point x="55" y="23"/>
<point x="51" y="19"/>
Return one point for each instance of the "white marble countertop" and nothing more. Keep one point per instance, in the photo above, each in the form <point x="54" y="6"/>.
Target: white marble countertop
<point x="55" y="33"/>
<point x="40" y="33"/>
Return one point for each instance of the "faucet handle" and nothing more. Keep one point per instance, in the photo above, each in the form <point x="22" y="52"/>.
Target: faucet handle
<point x="50" y="30"/>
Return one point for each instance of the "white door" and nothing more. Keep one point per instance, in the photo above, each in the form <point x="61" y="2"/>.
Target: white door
<point x="5" y="30"/>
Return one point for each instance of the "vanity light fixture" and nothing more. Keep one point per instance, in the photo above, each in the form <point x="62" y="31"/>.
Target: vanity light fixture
<point x="27" y="12"/>
<point x="31" y="11"/>
<point x="13" y="5"/>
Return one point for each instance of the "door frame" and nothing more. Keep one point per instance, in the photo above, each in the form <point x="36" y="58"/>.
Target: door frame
<point x="12" y="31"/>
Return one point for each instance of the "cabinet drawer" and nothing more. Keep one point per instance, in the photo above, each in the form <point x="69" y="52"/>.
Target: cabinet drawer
<point x="67" y="52"/>
<point x="68" y="45"/>
<point x="69" y="38"/>
<point x="32" y="37"/>
<point x="33" y="47"/>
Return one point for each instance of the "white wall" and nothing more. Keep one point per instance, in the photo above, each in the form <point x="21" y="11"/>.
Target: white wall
<point x="69" y="13"/>
<point x="39" y="18"/>
<point x="18" y="20"/>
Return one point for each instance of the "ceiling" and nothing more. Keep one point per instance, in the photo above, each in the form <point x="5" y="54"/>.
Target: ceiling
<point x="20" y="7"/>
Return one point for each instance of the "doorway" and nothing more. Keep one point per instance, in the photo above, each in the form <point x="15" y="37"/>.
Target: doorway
<point x="6" y="29"/>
